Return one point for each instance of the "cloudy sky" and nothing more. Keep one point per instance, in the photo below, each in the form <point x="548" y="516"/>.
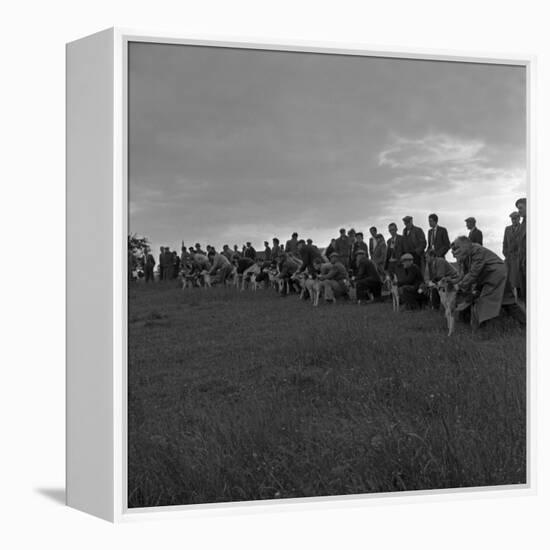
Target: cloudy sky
<point x="233" y="145"/>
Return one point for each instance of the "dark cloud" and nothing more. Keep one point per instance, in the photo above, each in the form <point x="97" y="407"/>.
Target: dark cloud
<point x="229" y="144"/>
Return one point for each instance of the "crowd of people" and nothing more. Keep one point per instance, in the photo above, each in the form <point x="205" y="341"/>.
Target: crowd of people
<point x="410" y="259"/>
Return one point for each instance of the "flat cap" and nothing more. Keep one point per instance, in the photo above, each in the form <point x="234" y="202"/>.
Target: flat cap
<point x="470" y="219"/>
<point x="515" y="214"/>
<point x="407" y="218"/>
<point x="407" y="256"/>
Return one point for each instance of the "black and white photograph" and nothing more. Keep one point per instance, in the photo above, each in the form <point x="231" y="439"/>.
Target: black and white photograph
<point x="327" y="274"/>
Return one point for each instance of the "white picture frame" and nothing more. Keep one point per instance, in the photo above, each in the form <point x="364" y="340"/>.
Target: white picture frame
<point x="97" y="197"/>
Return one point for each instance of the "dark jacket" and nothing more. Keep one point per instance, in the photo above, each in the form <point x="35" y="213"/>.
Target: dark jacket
<point x="414" y="241"/>
<point x="337" y="272"/>
<point x="343" y="246"/>
<point x="410" y="277"/>
<point x="366" y="269"/>
<point x="308" y="253"/>
<point x="476" y="236"/>
<point x="243" y="264"/>
<point x="440" y="243"/>
<point x="395" y="249"/>
<point x="250" y="252"/>
<point x="359" y="245"/>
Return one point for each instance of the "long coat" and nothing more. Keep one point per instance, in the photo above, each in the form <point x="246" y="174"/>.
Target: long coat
<point x="511" y="249"/>
<point x="414" y="241"/>
<point x="484" y="271"/>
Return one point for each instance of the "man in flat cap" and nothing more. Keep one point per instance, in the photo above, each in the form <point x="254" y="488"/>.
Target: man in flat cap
<point x="510" y="250"/>
<point x="334" y="281"/>
<point x="481" y="270"/>
<point x="367" y="279"/>
<point x="409" y="279"/>
<point x="414" y="242"/>
<point x="521" y="205"/>
<point x="475" y="235"/>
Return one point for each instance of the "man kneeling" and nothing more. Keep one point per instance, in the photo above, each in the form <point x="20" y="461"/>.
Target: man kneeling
<point x="367" y="279"/>
<point x="409" y="279"/>
<point x="334" y="281"/>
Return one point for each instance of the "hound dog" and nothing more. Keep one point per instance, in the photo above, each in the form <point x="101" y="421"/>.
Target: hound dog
<point x="250" y="273"/>
<point x="204" y="276"/>
<point x="390" y="282"/>
<point x="447" y="294"/>
<point x="429" y="289"/>
<point x="308" y="284"/>
<point x="188" y="280"/>
<point x="454" y="301"/>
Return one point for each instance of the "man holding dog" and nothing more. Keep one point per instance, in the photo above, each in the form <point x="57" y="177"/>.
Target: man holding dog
<point x="221" y="267"/>
<point x="482" y="271"/>
<point x="409" y="279"/>
<point x="307" y="253"/>
<point x="334" y="281"/>
<point x="367" y="279"/>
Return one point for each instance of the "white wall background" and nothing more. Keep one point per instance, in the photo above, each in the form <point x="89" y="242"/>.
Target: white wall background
<point x="32" y="217"/>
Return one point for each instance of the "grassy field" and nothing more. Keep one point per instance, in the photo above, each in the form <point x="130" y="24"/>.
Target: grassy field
<point x="243" y="396"/>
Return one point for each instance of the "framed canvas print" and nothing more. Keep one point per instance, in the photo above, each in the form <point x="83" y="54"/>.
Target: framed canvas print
<point x="295" y="273"/>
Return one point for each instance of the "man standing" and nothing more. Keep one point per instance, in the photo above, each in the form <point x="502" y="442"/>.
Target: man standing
<point x="175" y="265"/>
<point x="372" y="240"/>
<point x="438" y="238"/>
<point x="483" y="271"/>
<point x="161" y="264"/>
<point x="414" y="241"/>
<point x="166" y="263"/>
<point x="149" y="267"/>
<point x="379" y="254"/>
<point x="510" y="251"/>
<point x="358" y="245"/>
<point x="275" y="250"/>
<point x="367" y="279"/>
<point x="330" y="248"/>
<point x="394" y="249"/>
<point x="475" y="235"/>
<point x="267" y="252"/>
<point x="521" y="205"/>
<point x="291" y="246"/>
<point x="249" y="251"/>
<point x="334" y="282"/>
<point x="342" y="247"/>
